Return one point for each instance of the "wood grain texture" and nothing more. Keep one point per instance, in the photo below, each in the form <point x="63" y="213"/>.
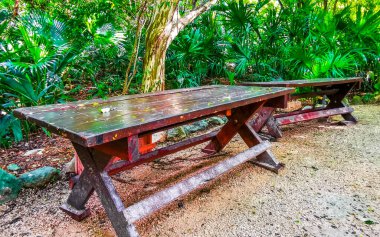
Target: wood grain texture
<point x="306" y="83"/>
<point x="84" y="123"/>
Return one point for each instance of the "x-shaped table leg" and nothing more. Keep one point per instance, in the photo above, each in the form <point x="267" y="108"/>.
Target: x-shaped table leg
<point x="238" y="123"/>
<point x="94" y="177"/>
<point x="265" y="118"/>
<point x="337" y="98"/>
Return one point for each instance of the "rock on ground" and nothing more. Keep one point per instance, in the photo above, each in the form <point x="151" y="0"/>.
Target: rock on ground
<point x="40" y="177"/>
<point x="329" y="187"/>
<point x="10" y="186"/>
<point x="175" y="134"/>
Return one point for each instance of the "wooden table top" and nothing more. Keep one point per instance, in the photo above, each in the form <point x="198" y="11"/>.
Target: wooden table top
<point x="305" y="83"/>
<point x="84" y="122"/>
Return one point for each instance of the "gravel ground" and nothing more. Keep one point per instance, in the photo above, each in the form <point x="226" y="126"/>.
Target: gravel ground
<point x="330" y="186"/>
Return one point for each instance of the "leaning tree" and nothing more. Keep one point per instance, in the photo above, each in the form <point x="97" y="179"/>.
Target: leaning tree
<point x="166" y="18"/>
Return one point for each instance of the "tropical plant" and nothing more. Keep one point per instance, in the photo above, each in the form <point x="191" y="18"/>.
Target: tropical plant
<point x="32" y="63"/>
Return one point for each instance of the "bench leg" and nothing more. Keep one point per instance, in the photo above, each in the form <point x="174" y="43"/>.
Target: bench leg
<point x="81" y="192"/>
<point x="238" y="123"/>
<point x="337" y="98"/>
<point x="265" y="118"/>
<point x="261" y="118"/>
<point x="238" y="117"/>
<point x="266" y="159"/>
<point x="273" y="128"/>
<point x="350" y="117"/>
<point x="96" y="177"/>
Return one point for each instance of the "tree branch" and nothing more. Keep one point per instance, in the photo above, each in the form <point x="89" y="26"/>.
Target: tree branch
<point x="190" y="17"/>
<point x="136" y="45"/>
<point x="177" y="24"/>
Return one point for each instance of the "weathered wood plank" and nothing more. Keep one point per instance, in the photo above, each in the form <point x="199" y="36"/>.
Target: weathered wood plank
<point x="148" y="157"/>
<point x="132" y="118"/>
<point x="313" y="115"/>
<point x="134" y="111"/>
<point x="261" y="118"/>
<point x="162" y="198"/>
<point x="306" y="83"/>
<point x="81" y="103"/>
<point x="280" y="115"/>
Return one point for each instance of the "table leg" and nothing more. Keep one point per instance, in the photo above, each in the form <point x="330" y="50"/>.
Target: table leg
<point x="94" y="175"/>
<point x="265" y="118"/>
<point x="265" y="159"/>
<point x="238" y="123"/>
<point x="273" y="128"/>
<point x="239" y="116"/>
<point x="81" y="192"/>
<point x="337" y="98"/>
<point x="261" y="118"/>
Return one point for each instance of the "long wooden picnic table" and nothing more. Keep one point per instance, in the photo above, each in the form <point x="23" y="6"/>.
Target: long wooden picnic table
<point x="335" y="89"/>
<point x="102" y="129"/>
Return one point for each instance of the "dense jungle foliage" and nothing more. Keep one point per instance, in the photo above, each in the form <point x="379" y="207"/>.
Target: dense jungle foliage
<point x="56" y="51"/>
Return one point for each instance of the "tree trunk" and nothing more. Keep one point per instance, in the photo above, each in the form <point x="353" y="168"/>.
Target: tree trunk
<point x="154" y="64"/>
<point x="157" y="43"/>
<point x="164" y="27"/>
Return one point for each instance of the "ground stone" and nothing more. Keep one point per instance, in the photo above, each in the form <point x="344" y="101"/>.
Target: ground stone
<point x="197" y="126"/>
<point x="13" y="167"/>
<point x="176" y="134"/>
<point x="216" y="120"/>
<point x="10" y="186"/>
<point x="34" y="152"/>
<point x="39" y="177"/>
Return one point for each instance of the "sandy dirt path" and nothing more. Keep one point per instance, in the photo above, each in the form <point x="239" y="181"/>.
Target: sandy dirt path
<point x="329" y="187"/>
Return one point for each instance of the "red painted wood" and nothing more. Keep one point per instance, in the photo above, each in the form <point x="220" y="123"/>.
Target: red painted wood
<point x="152" y="155"/>
<point x="260" y="118"/>
<point x="119" y="150"/>
<point x="146" y="144"/>
<point x="237" y="119"/>
<point x="313" y="115"/>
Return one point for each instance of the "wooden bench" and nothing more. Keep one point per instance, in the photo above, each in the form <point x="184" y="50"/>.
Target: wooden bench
<point x="335" y="89"/>
<point x="99" y="136"/>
